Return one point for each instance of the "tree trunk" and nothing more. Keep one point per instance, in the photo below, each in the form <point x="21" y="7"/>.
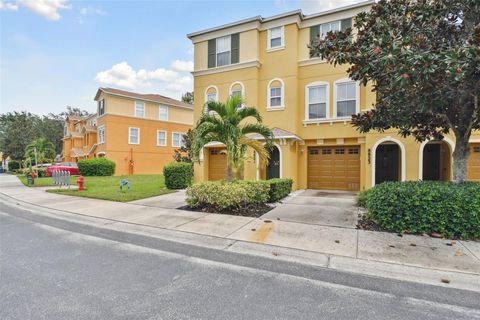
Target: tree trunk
<point x="460" y="158"/>
<point x="229" y="173"/>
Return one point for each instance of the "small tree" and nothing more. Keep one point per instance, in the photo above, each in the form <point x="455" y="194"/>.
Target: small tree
<point x="423" y="59"/>
<point x="226" y="123"/>
<point x="184" y="153"/>
<point x="187" y="97"/>
<point x="40" y="150"/>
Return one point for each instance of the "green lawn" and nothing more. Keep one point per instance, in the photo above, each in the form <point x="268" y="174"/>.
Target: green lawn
<point x="108" y="188"/>
<point x="43" y="182"/>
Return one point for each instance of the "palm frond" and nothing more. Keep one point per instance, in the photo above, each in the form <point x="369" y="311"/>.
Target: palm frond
<point x="259" y="147"/>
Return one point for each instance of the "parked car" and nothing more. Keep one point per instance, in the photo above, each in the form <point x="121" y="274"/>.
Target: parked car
<point x="64" y="166"/>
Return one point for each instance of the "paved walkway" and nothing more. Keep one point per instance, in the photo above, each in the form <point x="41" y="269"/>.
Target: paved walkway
<point x="377" y="253"/>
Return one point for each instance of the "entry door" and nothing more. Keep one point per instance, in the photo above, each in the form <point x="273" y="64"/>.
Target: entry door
<point x="387" y="163"/>
<point x="273" y="167"/>
<point x="432" y="162"/>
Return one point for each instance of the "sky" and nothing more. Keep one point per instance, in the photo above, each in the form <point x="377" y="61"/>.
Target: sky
<point x="57" y="53"/>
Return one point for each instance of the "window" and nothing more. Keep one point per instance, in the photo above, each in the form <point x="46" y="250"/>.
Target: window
<point x="101" y="134"/>
<point x="224" y="50"/>
<point x="476" y="149"/>
<point x="317" y="101"/>
<point x="275" y="38"/>
<point x="346" y="95"/>
<point x="313" y="151"/>
<point x="329" y="26"/>
<point x="326" y="151"/>
<point x="163" y="113"/>
<point x="178" y="140"/>
<point x="213" y="152"/>
<point x="133" y="135"/>
<point x="339" y="151"/>
<point x="161" y="138"/>
<point x="275" y="94"/>
<point x="236" y="89"/>
<point x="211" y="94"/>
<point x="353" y="151"/>
<point x="139" y="109"/>
<point x="101" y="107"/>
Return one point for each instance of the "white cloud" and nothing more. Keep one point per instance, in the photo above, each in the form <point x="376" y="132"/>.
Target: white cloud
<point x="282" y="4"/>
<point x="47" y="8"/>
<point x="313" y="6"/>
<point x="8" y="6"/>
<point x="182" y="66"/>
<point x="165" y="80"/>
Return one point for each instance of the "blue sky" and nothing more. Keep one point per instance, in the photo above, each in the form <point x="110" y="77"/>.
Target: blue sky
<point x="55" y="53"/>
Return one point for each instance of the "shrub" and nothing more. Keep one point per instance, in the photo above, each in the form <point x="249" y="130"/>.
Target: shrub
<point x="96" y="167"/>
<point x="362" y="198"/>
<point x="178" y="175"/>
<point x="13" y="165"/>
<point x="222" y="195"/>
<point x="447" y="208"/>
<point x="279" y="189"/>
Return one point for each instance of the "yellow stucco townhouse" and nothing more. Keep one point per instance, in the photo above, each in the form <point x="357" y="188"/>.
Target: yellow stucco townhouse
<point x="308" y="103"/>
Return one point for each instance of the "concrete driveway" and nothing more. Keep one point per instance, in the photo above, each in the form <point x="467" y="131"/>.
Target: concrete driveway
<point x="328" y="208"/>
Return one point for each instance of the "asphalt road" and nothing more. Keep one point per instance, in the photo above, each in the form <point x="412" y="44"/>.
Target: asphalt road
<point x="54" y="270"/>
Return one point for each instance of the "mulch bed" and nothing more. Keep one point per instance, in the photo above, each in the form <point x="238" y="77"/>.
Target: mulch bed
<point x="367" y="224"/>
<point x="254" y="211"/>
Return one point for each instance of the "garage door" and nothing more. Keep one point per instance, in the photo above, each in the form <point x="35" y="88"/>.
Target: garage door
<point x="473" y="169"/>
<point x="217" y="164"/>
<point x="336" y="168"/>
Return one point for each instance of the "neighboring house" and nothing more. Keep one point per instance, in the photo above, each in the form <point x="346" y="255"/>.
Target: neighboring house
<point x="139" y="131"/>
<point x="79" y="138"/>
<point x="309" y="104"/>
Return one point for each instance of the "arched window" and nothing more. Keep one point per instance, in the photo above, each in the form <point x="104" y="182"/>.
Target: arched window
<point x="237" y="88"/>
<point x="275" y="94"/>
<point x="211" y="94"/>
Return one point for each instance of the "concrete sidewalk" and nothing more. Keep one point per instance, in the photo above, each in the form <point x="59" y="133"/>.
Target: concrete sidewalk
<point x="413" y="258"/>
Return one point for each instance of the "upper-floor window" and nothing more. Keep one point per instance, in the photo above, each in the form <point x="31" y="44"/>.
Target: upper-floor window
<point x="346" y="98"/>
<point x="161" y="138"/>
<point x="275" y="94"/>
<point x="321" y="30"/>
<point x="237" y="89"/>
<point x="101" y="134"/>
<point x="92" y="122"/>
<point x="163" y="112"/>
<point x="316" y="101"/>
<point x="275" y="38"/>
<point x="78" y="127"/>
<point x="134" y="135"/>
<point x="224" y="50"/>
<point x="178" y="140"/>
<point x="139" y="109"/>
<point x="101" y="107"/>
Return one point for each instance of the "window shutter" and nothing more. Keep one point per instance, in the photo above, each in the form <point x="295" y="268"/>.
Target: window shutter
<point x="345" y="24"/>
<point x="314" y="32"/>
<point x="235" y="42"/>
<point x="212" y="51"/>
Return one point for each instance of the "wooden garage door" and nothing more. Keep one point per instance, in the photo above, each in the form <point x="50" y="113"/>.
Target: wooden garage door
<point x="473" y="170"/>
<point x="217" y="164"/>
<point x="336" y="168"/>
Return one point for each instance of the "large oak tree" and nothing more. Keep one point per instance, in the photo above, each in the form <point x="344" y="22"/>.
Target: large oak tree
<point x="423" y="59"/>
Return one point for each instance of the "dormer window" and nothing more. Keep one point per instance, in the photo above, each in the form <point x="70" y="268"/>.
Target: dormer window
<point x="275" y="38"/>
<point x="223" y="51"/>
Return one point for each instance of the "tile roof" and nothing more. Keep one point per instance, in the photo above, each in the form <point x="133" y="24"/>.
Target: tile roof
<point x="149" y="97"/>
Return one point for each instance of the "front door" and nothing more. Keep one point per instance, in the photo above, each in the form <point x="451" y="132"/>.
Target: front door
<point x="273" y="167"/>
<point x="431" y="162"/>
<point x="387" y="163"/>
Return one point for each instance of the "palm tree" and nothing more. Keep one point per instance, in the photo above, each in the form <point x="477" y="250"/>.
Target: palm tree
<point x="45" y="150"/>
<point x="228" y="123"/>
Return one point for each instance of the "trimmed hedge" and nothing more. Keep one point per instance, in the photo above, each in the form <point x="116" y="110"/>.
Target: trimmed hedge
<point x="178" y="175"/>
<point x="13" y="165"/>
<point x="447" y="208"/>
<point x="222" y="195"/>
<point x="96" y="167"/>
<point x="279" y="189"/>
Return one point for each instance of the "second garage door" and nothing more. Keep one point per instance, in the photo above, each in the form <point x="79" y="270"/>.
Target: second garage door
<point x="336" y="168"/>
<point x="473" y="169"/>
<point x="217" y="164"/>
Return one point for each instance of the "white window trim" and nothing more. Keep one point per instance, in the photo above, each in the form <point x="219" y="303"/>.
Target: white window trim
<point x="357" y="96"/>
<point x="282" y="95"/>
<point x="216" y="51"/>
<point x="230" y="90"/>
<point x="181" y="134"/>
<point x="216" y="90"/>
<point x="135" y="108"/>
<point x="339" y="22"/>
<point x="129" y="136"/>
<point x="327" y="111"/>
<point x="282" y="39"/>
<point x="166" y="138"/>
<point x="159" y="113"/>
<point x="101" y="128"/>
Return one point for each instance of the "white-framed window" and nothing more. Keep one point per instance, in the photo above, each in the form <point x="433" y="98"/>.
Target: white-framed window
<point x="163" y="112"/>
<point x="329" y="26"/>
<point x="316" y="101"/>
<point x="178" y="139"/>
<point x="101" y="107"/>
<point x="346" y="98"/>
<point x="101" y="134"/>
<point x="275" y="38"/>
<point x="139" y="109"/>
<point x="133" y="135"/>
<point x="161" y="138"/>
<point x="237" y="88"/>
<point x="224" y="48"/>
<point x="275" y="94"/>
